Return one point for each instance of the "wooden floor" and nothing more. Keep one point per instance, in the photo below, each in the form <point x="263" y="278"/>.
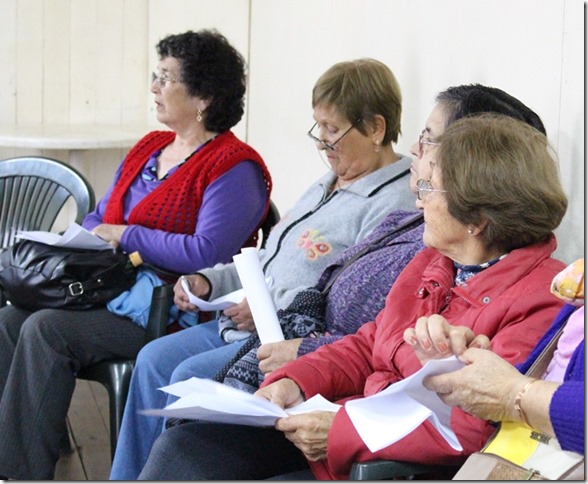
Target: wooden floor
<point x="89" y="436"/>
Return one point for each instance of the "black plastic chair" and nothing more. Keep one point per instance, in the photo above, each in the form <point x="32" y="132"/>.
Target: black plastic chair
<point x="115" y="374"/>
<point x="392" y="469"/>
<point x="33" y="191"/>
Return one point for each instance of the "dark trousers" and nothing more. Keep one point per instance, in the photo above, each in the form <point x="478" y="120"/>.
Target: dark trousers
<point x="209" y="451"/>
<point x="40" y="354"/>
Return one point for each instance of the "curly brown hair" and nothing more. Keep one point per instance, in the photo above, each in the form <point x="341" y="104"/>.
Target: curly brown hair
<point x="211" y="69"/>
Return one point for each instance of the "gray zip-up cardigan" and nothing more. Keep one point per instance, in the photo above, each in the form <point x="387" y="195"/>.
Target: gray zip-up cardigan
<point x="318" y="228"/>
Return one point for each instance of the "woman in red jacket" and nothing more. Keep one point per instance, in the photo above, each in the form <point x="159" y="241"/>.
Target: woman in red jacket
<point x="490" y="207"/>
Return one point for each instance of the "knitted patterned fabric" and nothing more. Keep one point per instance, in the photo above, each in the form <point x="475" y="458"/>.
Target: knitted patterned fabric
<point x="304" y="317"/>
<point x="357" y="294"/>
<point x="174" y="205"/>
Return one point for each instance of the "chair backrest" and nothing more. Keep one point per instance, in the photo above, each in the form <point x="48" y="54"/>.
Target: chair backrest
<point x="33" y="190"/>
<point x="272" y="218"/>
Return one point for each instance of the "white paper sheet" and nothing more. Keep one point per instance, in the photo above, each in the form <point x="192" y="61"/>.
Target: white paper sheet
<point x="217" y="304"/>
<point x="388" y="416"/>
<point x="220" y="303"/>
<point x="212" y="401"/>
<point x="75" y="237"/>
<point x="258" y="296"/>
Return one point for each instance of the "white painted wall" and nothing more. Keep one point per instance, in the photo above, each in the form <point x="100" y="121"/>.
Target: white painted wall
<point x="89" y="61"/>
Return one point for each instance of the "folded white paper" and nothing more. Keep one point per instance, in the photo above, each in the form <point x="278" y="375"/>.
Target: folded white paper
<point x="217" y="304"/>
<point x="258" y="296"/>
<point x="75" y="237"/>
<point x="220" y="303"/>
<point x="203" y="399"/>
<point x="388" y="416"/>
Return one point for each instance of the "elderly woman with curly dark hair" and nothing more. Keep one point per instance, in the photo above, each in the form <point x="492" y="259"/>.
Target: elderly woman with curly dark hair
<point x="185" y="198"/>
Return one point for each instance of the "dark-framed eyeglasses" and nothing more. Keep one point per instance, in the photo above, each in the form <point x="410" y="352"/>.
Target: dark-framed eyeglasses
<point x="423" y="142"/>
<point x="423" y="187"/>
<point x="162" y="79"/>
<point x="325" y="144"/>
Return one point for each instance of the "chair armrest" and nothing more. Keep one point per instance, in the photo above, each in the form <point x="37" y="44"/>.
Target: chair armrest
<point x="161" y="301"/>
<point x="389" y="469"/>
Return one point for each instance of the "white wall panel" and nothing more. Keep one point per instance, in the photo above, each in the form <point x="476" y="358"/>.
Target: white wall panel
<point x="85" y="71"/>
<point x="430" y="45"/>
<point x="571" y="141"/>
<point x="56" y="61"/>
<point x="8" y="54"/>
<point x="29" y="62"/>
<point x="135" y="70"/>
<point x="109" y="61"/>
<point x="89" y="61"/>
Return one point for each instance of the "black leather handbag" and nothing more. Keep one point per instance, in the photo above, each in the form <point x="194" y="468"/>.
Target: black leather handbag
<point x="35" y="276"/>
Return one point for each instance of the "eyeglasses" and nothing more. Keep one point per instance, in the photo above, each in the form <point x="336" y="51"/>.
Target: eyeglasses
<point x="423" y="187"/>
<point x="326" y="145"/>
<point x="423" y="141"/>
<point x="162" y="79"/>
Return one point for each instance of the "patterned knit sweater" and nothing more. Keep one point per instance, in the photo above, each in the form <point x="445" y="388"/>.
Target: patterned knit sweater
<point x="357" y="293"/>
<point x="174" y="205"/>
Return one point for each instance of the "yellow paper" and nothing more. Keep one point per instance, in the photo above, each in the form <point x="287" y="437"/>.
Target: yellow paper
<point x="513" y="442"/>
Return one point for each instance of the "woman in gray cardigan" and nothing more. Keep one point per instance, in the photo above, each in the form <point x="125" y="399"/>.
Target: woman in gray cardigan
<point x="357" y="109"/>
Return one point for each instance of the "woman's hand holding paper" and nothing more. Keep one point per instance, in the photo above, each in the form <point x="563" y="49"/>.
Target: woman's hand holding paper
<point x="308" y="432"/>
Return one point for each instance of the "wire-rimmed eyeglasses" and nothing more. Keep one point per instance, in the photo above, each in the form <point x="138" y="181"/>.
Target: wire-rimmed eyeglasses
<point x="162" y="79"/>
<point x="423" y="141"/>
<point x="424" y="186"/>
<point x="325" y="144"/>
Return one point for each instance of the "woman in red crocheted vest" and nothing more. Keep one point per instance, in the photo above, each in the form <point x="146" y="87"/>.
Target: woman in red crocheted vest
<point x="185" y="199"/>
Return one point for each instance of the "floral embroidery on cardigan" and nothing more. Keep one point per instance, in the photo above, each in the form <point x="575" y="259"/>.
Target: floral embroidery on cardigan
<point x="313" y="243"/>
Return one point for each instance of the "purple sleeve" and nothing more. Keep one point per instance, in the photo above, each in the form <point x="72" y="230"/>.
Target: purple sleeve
<point x="308" y="345"/>
<point x="567" y="415"/>
<point x="566" y="410"/>
<point x="232" y="207"/>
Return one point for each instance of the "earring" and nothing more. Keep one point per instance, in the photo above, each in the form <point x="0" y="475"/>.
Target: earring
<point x="470" y="231"/>
<point x="377" y="148"/>
<point x="199" y="116"/>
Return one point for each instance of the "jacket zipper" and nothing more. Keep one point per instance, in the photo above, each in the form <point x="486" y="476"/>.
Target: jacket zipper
<point x="323" y="202"/>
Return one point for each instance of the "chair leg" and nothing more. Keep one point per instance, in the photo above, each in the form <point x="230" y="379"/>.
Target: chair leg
<point x="120" y="379"/>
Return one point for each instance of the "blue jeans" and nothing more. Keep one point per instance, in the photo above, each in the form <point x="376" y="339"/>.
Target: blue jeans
<point x="198" y="351"/>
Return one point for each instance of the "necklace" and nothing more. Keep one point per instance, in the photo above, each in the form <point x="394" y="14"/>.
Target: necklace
<point x="159" y="161"/>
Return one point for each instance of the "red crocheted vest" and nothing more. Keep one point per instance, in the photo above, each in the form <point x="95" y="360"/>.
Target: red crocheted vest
<point x="174" y="205"/>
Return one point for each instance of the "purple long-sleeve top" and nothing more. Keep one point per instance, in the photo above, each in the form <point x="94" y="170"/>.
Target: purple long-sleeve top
<point x="566" y="410"/>
<point x="231" y="209"/>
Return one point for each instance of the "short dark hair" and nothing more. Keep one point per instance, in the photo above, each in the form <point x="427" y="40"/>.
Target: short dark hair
<point x="211" y="69"/>
<point x="472" y="99"/>
<point x="502" y="170"/>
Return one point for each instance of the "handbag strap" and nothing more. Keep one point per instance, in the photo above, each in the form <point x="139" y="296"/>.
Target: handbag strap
<point x="369" y="247"/>
<point x="539" y="366"/>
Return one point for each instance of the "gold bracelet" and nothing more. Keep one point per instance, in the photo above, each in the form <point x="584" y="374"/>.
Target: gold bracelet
<point x="517" y="404"/>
